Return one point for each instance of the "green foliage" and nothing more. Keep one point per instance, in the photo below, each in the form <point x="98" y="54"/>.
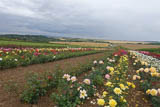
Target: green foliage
<point x="11" y="60"/>
<point x="155" y="101"/>
<point x="16" y="44"/>
<point x="67" y="93"/>
<point x="38" y="85"/>
<point x="154" y="50"/>
<point x="67" y="96"/>
<point x="145" y="85"/>
<point x="97" y="78"/>
<point x="11" y="86"/>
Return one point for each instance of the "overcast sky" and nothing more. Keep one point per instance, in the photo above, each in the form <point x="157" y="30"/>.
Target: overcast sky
<point x="102" y="19"/>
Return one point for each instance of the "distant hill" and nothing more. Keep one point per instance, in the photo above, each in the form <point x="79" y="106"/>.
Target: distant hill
<point x="44" y="38"/>
<point x="30" y="38"/>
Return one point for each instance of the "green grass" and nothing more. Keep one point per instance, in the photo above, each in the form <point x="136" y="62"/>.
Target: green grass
<point x="31" y="44"/>
<point x="13" y="44"/>
<point x="155" y="50"/>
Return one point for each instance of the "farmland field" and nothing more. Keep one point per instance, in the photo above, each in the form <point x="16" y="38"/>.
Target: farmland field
<point x="86" y="44"/>
<point x="29" y="44"/>
<point x="79" y="53"/>
<point x="138" y="46"/>
<point x="36" y="76"/>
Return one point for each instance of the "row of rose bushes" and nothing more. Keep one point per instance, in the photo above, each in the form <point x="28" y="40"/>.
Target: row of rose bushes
<point x="73" y="92"/>
<point x="152" y="50"/>
<point x="39" y="85"/>
<point x="107" y="82"/>
<point x="11" y="57"/>
<point x="116" y="88"/>
<point x="155" y="55"/>
<point x="148" y="75"/>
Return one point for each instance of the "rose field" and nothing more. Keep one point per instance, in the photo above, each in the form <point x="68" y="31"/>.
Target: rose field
<point x="12" y="57"/>
<point x="79" y="77"/>
<point x="80" y="53"/>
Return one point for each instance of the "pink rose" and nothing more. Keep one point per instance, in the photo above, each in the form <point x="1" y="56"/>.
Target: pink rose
<point x="107" y="76"/>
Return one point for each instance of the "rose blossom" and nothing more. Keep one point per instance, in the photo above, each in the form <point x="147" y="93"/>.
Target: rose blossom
<point x="101" y="62"/>
<point x="87" y="81"/>
<point x="73" y="79"/>
<point x="95" y="62"/>
<point x="107" y="76"/>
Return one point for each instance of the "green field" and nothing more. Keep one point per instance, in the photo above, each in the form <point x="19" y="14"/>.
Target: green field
<point x="31" y="44"/>
<point x="154" y="50"/>
<point x="13" y="44"/>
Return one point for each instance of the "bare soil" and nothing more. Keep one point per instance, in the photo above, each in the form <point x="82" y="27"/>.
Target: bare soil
<point x="17" y="75"/>
<point x="136" y="97"/>
<point x="138" y="46"/>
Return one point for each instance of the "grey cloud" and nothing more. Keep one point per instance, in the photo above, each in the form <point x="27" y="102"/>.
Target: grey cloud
<point x="105" y="19"/>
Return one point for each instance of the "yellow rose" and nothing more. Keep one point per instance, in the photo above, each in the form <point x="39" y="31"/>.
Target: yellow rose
<point x="148" y="91"/>
<point x="112" y="103"/>
<point x="129" y="83"/>
<point x="153" y="92"/>
<point x="152" y="69"/>
<point x="111" y="73"/>
<point x="100" y="102"/>
<point x="154" y="74"/>
<point x="133" y="86"/>
<point x="105" y="93"/>
<point x="141" y="69"/>
<point x="111" y="69"/>
<point x="142" y="63"/>
<point x="108" y="84"/>
<point x="117" y="91"/>
<point x="137" y="71"/>
<point x="146" y="70"/>
<point x="122" y="87"/>
<point x="126" y="87"/>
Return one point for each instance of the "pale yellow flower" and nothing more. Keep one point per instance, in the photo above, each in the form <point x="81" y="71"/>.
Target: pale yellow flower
<point x="148" y="91"/>
<point x="129" y="83"/>
<point x="105" y="93"/>
<point x="100" y="102"/>
<point x="108" y="84"/>
<point x="133" y="86"/>
<point x="111" y="69"/>
<point x="112" y="103"/>
<point x="152" y="69"/>
<point x="122" y="87"/>
<point x="146" y="70"/>
<point x="153" y="92"/>
<point x="117" y="91"/>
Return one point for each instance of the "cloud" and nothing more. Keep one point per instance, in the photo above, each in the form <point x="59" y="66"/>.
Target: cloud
<point x="105" y="19"/>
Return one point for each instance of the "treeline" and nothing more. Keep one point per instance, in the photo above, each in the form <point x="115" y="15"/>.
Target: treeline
<point x="28" y="38"/>
<point x="43" y="38"/>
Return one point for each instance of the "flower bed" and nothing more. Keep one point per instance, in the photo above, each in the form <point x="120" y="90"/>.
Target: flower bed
<point x="117" y="86"/>
<point x="155" y="55"/>
<point x="148" y="75"/>
<point x="106" y="85"/>
<point x="39" y="85"/>
<point x="10" y="57"/>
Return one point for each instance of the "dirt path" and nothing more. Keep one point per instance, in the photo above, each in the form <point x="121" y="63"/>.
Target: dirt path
<point x="18" y="75"/>
<point x="136" y="97"/>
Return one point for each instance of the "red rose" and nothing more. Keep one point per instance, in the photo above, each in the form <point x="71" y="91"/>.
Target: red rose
<point x="49" y="77"/>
